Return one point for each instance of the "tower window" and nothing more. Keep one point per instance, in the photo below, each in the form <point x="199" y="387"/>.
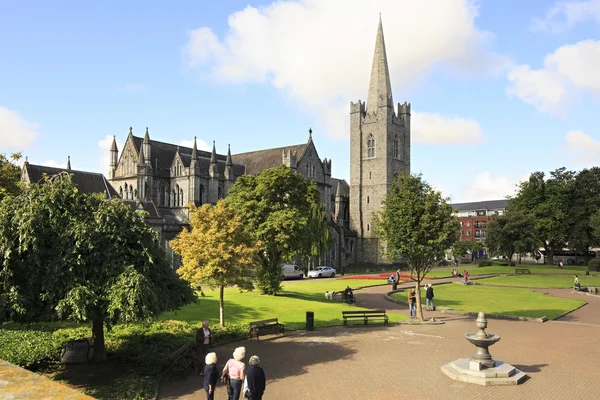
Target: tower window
<point x="369" y="174"/>
<point x="371" y="146"/>
<point x="396" y="151"/>
<point x="368" y="200"/>
<point x="368" y="227"/>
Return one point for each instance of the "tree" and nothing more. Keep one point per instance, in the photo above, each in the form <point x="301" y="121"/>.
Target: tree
<point x="79" y="257"/>
<point x="10" y="175"/>
<point x="548" y="202"/>
<point x="511" y="233"/>
<point x="416" y="222"/>
<point x="462" y="247"/>
<point x="275" y="207"/>
<point x="217" y="251"/>
<point x="584" y="203"/>
<point x="318" y="241"/>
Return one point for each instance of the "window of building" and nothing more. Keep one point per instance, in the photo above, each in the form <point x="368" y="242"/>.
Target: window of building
<point x="462" y="233"/>
<point x="371" y="146"/>
<point x="368" y="227"/>
<point x="468" y="223"/>
<point x="484" y="225"/>
<point x="468" y="233"/>
<point x="481" y="213"/>
<point x="477" y="234"/>
<point x="369" y="174"/>
<point x="482" y="234"/>
<point x="396" y="153"/>
<point x="461" y="223"/>
<point x="368" y="200"/>
<point x="476" y="224"/>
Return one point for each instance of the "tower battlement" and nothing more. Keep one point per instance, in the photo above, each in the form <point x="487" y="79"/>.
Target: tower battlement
<point x="404" y="108"/>
<point x="359" y="107"/>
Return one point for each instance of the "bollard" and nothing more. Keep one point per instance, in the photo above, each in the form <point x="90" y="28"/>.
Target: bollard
<point x="395" y="285"/>
<point x="310" y="321"/>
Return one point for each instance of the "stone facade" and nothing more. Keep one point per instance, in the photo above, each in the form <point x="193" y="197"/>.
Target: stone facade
<point x="379" y="151"/>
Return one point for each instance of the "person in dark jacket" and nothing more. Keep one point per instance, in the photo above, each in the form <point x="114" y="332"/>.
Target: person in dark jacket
<point x="211" y="375"/>
<point x="255" y="379"/>
<point x="429" y="298"/>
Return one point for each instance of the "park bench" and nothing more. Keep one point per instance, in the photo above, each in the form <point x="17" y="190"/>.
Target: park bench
<point x="365" y="316"/>
<point x="182" y="359"/>
<point x="522" y="271"/>
<point x="265" y="327"/>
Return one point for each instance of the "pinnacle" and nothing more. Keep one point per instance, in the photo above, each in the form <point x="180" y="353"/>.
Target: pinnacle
<point x="380" y="89"/>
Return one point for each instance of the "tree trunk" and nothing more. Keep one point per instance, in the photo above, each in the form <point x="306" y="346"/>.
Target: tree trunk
<point x="222" y="306"/>
<point x="98" y="339"/>
<point x="418" y="290"/>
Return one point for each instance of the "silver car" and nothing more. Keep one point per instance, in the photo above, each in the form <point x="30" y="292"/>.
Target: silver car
<point x="321" y="272"/>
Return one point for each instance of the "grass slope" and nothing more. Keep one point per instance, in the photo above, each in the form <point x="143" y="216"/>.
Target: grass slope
<point x="497" y="269"/>
<point x="539" y="281"/>
<point x="290" y="306"/>
<point x="521" y="302"/>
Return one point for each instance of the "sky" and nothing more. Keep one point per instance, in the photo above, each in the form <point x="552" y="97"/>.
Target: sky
<point x="498" y="89"/>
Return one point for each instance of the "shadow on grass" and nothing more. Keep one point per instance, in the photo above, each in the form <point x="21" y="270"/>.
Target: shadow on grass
<point x="208" y="308"/>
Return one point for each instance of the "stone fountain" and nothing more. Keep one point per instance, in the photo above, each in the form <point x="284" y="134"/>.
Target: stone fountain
<point x="482" y="369"/>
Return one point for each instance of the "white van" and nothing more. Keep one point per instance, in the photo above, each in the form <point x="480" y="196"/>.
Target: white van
<point x="291" y="271"/>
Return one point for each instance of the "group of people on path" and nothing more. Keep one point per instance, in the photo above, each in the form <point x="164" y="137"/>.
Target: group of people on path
<point x="412" y="300"/>
<point x="251" y="381"/>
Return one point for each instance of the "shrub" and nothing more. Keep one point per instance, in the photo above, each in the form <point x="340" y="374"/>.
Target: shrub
<point x="501" y="263"/>
<point x="594" y="265"/>
<point x="512" y="264"/>
<point x="484" y="263"/>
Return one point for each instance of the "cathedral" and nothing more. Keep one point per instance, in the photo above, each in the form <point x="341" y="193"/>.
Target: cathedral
<point x="163" y="178"/>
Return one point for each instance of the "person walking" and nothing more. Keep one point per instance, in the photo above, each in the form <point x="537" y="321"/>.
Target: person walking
<point x="255" y="383"/>
<point x="576" y="284"/>
<point x="202" y="344"/>
<point x="466" y="275"/>
<point x="429" y="298"/>
<point x="235" y="369"/>
<point x="412" y="303"/>
<point x="211" y="375"/>
<point x="398" y="275"/>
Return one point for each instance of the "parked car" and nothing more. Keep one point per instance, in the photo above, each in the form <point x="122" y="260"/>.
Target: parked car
<point x="291" y="271"/>
<point x="321" y="272"/>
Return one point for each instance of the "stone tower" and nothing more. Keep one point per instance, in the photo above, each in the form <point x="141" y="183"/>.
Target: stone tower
<point x="379" y="150"/>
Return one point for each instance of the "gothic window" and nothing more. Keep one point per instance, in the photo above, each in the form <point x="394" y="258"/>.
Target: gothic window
<point x="178" y="201"/>
<point x="134" y="194"/>
<point x="370" y="175"/>
<point x="126" y="191"/>
<point x="332" y="204"/>
<point x="121" y="191"/>
<point x="181" y="199"/>
<point x="371" y="146"/>
<point x="307" y="171"/>
<point x="147" y="191"/>
<point x="161" y="195"/>
<point x="201" y="197"/>
<point x="368" y="227"/>
<point x="220" y="193"/>
<point x="368" y="200"/>
<point x="131" y="193"/>
<point x="396" y="151"/>
<point x="173" y="199"/>
<point x="314" y="171"/>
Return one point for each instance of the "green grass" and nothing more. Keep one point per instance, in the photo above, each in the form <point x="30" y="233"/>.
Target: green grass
<point x="520" y="302"/>
<point x="497" y="269"/>
<point x="539" y="281"/>
<point x="290" y="306"/>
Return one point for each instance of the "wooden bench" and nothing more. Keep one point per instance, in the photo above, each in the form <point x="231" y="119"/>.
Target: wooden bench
<point x="366" y="316"/>
<point x="265" y="327"/>
<point x="182" y="359"/>
<point x="522" y="271"/>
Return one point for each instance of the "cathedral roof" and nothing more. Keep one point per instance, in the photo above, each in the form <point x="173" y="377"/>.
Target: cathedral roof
<point x="258" y="161"/>
<point x="86" y="182"/>
<point x="341" y="185"/>
<point x="162" y="155"/>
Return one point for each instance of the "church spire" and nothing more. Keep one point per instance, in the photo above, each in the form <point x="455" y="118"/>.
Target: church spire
<point x="194" y="150"/>
<point x="380" y="89"/>
<point x="213" y="156"/>
<point x="229" y="162"/>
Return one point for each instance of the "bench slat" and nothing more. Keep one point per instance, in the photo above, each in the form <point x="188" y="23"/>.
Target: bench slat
<point x="264" y="321"/>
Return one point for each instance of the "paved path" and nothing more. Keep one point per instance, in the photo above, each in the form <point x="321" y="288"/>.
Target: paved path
<point x="404" y="361"/>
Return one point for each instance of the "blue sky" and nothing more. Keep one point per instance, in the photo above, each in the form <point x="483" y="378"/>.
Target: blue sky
<point x="498" y="89"/>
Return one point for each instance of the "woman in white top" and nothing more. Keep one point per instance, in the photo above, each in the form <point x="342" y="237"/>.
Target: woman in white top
<point x="236" y="370"/>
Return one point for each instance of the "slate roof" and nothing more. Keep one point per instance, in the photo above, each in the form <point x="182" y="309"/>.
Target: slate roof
<point x="481" y="205"/>
<point x="162" y="154"/>
<point x="147" y="206"/>
<point x="258" y="161"/>
<point x="86" y="182"/>
<point x="344" y="188"/>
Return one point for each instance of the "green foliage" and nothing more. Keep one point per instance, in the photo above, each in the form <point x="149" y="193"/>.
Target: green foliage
<point x="79" y="257"/>
<point x="10" y="175"/>
<point x="513" y="232"/>
<point x="594" y="265"/>
<point x="276" y="208"/>
<point x="462" y="247"/>
<point x="485" y="263"/>
<point x="417" y="223"/>
<point x="583" y="205"/>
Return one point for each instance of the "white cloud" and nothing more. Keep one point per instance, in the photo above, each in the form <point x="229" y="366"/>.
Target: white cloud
<point x="200" y="144"/>
<point x="104" y="145"/>
<point x="487" y="187"/>
<point x="319" y="52"/>
<point x="55" y="164"/>
<point x="436" y="129"/>
<point x="566" y="14"/>
<point x="132" y="88"/>
<point x="583" y="148"/>
<point x="567" y="71"/>
<point x="15" y="132"/>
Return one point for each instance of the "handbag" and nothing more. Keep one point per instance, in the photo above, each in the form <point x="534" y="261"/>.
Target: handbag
<point x="225" y="379"/>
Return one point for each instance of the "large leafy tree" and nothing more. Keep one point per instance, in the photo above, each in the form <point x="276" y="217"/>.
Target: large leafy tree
<point x="462" y="247"/>
<point x="80" y="257"/>
<point x="318" y="241"/>
<point x="217" y="251"/>
<point x="511" y="233"/>
<point x="585" y="202"/>
<point x="548" y="202"/>
<point x="275" y="207"/>
<point x="416" y="222"/>
<point x="10" y="175"/>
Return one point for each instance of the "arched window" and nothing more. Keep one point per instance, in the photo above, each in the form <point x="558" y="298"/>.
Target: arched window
<point x="135" y="194"/>
<point x="162" y="195"/>
<point x="173" y="198"/>
<point x="131" y="193"/>
<point x="368" y="199"/>
<point x="371" y="146"/>
<point x="332" y="203"/>
<point x="219" y="193"/>
<point x="178" y="202"/>
<point x="370" y="175"/>
<point x="396" y="150"/>
<point x="181" y="199"/>
<point x="201" y="197"/>
<point x="121" y="191"/>
<point x="368" y="227"/>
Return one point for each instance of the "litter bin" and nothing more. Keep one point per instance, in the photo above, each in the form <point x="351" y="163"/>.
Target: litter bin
<point x="310" y="321"/>
<point x="394" y="285"/>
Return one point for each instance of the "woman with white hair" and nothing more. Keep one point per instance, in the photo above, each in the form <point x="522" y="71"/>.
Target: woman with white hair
<point x="236" y="370"/>
<point x="211" y="375"/>
<point x="255" y="380"/>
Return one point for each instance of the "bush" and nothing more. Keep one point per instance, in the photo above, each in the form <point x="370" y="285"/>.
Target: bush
<point x="502" y="263"/>
<point x="594" y="265"/>
<point x="484" y="263"/>
<point x="512" y="264"/>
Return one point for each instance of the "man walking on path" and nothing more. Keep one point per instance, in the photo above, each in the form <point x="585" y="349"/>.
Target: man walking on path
<point x="429" y="298"/>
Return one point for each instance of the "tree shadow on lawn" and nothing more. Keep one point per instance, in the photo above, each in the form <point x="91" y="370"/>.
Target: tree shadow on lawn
<point x="208" y="308"/>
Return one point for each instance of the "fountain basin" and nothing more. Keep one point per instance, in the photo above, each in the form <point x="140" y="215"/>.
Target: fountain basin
<point x="482" y="354"/>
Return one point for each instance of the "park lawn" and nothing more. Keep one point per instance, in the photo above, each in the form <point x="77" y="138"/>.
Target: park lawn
<point x="539" y="281"/>
<point x="290" y="306"/>
<point x="498" y="269"/>
<point x="491" y="300"/>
